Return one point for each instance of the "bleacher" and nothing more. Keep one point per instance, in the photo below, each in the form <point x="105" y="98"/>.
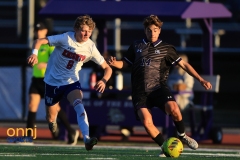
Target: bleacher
<point x="8" y="22"/>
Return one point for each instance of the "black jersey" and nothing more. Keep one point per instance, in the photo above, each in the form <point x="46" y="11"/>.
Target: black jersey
<point x="150" y="63"/>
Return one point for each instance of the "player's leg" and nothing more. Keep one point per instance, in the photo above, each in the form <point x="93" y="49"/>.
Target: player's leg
<point x="75" y="98"/>
<point x="72" y="133"/>
<point x="53" y="95"/>
<point x="172" y="108"/>
<point x="36" y="92"/>
<point x="145" y="103"/>
<point x="146" y="118"/>
<point x="51" y="117"/>
<point x="34" y="100"/>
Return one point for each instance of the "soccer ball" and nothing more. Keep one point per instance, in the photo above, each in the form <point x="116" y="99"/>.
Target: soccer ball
<point x="172" y="147"/>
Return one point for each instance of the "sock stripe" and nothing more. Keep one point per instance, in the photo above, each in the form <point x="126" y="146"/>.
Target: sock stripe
<point x="76" y="102"/>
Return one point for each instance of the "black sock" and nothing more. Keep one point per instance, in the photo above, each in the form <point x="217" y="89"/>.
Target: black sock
<point x="31" y="121"/>
<point x="180" y="128"/>
<point x="63" y="118"/>
<point x="159" y="139"/>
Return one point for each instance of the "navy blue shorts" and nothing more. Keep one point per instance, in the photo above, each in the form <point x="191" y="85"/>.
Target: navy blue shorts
<point x="53" y="94"/>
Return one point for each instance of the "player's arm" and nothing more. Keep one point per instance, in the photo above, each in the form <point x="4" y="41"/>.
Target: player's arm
<point x="117" y="64"/>
<point x="125" y="62"/>
<point x="100" y="86"/>
<point x="42" y="65"/>
<point x="32" y="59"/>
<point x="191" y="71"/>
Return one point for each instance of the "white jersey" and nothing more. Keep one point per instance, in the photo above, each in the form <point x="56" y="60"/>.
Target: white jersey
<point x="68" y="57"/>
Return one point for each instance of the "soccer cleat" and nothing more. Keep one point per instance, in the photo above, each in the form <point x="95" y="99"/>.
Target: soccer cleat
<point x="53" y="126"/>
<point x="191" y="143"/>
<point x="161" y="154"/>
<point x="55" y="135"/>
<point x="90" y="143"/>
<point x="73" y="138"/>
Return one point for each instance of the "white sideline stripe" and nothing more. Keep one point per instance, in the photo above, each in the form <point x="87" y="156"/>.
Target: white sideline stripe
<point x="16" y="155"/>
<point x="7" y="155"/>
<point x="123" y="147"/>
<point x="213" y="154"/>
<point x="43" y="154"/>
<point x="100" y="158"/>
<point x="223" y="154"/>
<point x="49" y="154"/>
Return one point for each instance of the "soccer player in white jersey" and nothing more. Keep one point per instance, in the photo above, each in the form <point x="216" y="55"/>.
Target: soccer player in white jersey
<point x="72" y="49"/>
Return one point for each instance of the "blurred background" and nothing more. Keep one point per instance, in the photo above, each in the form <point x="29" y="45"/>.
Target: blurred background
<point x="17" y="18"/>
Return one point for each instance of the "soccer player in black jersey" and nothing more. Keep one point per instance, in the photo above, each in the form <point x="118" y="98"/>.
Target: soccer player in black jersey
<point x="151" y="60"/>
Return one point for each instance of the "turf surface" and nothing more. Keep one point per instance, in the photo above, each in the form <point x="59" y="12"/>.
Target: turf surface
<point x="66" y="152"/>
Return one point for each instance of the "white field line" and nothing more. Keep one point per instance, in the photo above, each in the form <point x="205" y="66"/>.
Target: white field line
<point x="101" y="158"/>
<point x="213" y="154"/>
<point x="16" y="155"/>
<point x="183" y="154"/>
<point x="124" y="147"/>
<point x="224" y="152"/>
<point x="49" y="154"/>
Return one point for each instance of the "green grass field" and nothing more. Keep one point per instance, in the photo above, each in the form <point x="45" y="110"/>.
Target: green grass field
<point x="66" y="152"/>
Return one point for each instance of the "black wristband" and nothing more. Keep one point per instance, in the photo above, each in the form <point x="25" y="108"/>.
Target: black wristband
<point x="104" y="80"/>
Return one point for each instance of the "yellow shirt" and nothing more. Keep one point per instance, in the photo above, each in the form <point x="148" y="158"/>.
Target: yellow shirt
<point x="43" y="55"/>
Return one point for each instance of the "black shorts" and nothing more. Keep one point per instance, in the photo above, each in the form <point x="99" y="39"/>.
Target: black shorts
<point x="37" y="86"/>
<point x="156" y="98"/>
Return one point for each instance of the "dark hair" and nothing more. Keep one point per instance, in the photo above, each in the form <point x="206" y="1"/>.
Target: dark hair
<point x="40" y="26"/>
<point x="152" y="20"/>
<point x="84" y="20"/>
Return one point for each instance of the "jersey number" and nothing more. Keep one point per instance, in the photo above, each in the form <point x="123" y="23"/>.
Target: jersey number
<point x="70" y="64"/>
<point x="146" y="62"/>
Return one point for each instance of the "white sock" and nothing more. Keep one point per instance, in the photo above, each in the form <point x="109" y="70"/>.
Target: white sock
<point x="82" y="119"/>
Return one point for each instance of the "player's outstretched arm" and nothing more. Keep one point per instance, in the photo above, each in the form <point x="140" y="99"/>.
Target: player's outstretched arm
<point x="190" y="70"/>
<point x="112" y="61"/>
<point x="100" y="85"/>
<point x="32" y="59"/>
